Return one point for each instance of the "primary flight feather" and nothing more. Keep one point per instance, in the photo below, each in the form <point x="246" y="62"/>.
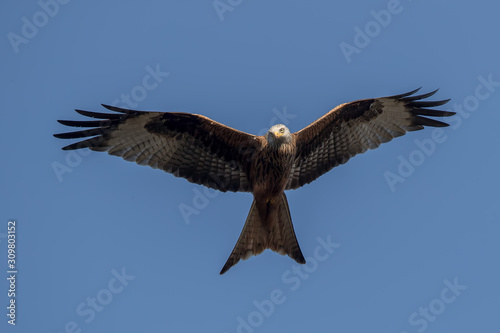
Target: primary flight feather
<point x="208" y="153"/>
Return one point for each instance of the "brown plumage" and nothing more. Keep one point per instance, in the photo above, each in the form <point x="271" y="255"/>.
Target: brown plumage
<point x="208" y="153"/>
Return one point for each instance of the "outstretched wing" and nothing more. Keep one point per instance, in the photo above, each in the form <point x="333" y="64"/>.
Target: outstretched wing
<point x="187" y="145"/>
<point x="355" y="127"/>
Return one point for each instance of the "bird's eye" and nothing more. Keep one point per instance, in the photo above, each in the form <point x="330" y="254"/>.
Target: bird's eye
<point x="282" y="130"/>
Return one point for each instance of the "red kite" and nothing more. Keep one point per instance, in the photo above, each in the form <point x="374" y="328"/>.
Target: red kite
<point x="208" y="153"/>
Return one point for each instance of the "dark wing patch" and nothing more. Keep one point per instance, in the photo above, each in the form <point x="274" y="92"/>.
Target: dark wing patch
<point x="353" y="128"/>
<point x="191" y="146"/>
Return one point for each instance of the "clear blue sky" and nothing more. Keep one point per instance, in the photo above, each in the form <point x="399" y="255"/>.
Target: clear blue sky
<point x="102" y="244"/>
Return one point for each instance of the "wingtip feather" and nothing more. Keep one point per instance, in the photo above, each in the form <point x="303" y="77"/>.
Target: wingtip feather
<point x="406" y="94"/>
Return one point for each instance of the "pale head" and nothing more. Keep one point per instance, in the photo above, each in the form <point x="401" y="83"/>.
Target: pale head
<point x="278" y="135"/>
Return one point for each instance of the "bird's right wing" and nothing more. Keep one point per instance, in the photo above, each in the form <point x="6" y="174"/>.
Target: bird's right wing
<point x="191" y="146"/>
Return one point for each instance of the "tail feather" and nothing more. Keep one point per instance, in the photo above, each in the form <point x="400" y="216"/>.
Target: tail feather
<point x="287" y="242"/>
<point x="255" y="237"/>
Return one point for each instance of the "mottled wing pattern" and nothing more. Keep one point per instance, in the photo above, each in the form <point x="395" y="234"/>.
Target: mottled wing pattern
<point x="191" y="146"/>
<point x="353" y="128"/>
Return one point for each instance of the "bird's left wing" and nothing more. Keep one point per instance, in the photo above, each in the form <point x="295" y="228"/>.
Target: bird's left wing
<point x="352" y="128"/>
<point x="191" y="146"/>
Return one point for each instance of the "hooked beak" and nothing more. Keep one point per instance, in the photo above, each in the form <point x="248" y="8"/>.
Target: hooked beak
<point x="278" y="134"/>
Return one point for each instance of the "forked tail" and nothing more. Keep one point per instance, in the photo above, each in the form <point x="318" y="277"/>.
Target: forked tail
<point x="277" y="234"/>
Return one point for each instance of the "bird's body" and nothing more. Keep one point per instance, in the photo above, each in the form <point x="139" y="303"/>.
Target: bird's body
<point x="269" y="225"/>
<point x="264" y="192"/>
<point x="208" y="153"/>
<point x="273" y="160"/>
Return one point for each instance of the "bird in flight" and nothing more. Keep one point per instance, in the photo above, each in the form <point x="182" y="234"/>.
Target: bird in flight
<point x="209" y="153"/>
